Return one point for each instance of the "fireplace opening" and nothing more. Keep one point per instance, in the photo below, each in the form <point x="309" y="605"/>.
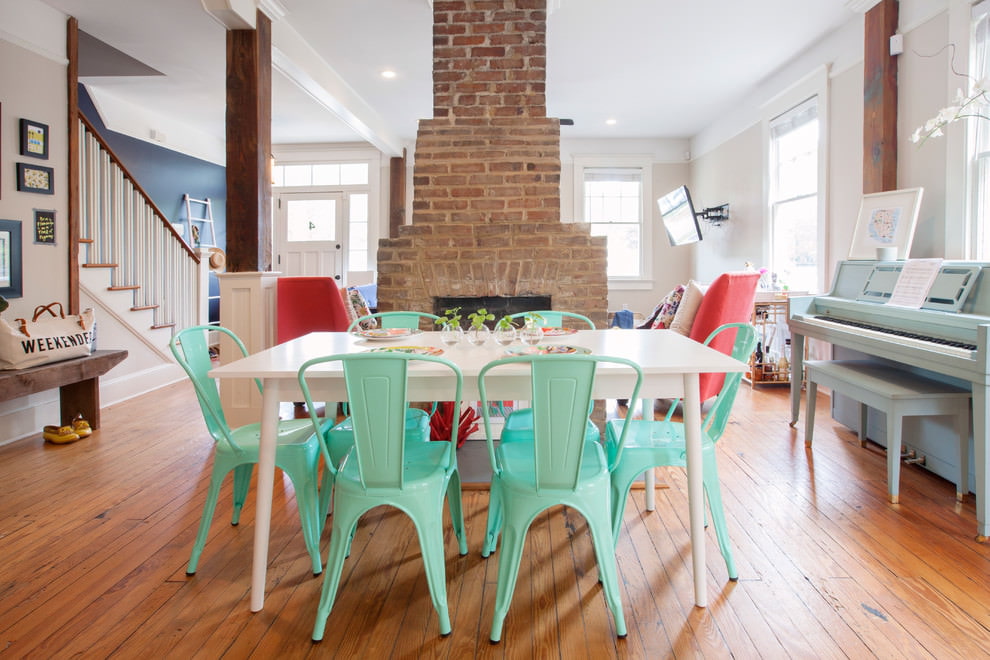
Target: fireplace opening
<point x="498" y="305"/>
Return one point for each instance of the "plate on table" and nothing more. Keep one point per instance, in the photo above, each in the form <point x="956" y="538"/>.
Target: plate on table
<point x="552" y="331"/>
<point x="386" y="334"/>
<point x="413" y="350"/>
<point x="547" y="349"/>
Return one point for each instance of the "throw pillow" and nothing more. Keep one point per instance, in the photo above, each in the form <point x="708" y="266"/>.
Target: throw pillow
<point x="668" y="308"/>
<point x="687" y="309"/>
<point x="357" y="305"/>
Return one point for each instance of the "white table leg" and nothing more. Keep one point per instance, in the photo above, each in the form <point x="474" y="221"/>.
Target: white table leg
<point x="266" y="483"/>
<point x="696" y="497"/>
<point x="649" y="477"/>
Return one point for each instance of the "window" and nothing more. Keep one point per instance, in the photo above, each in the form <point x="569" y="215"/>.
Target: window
<point x="611" y="195"/>
<point x="793" y="201"/>
<point x="980" y="134"/>
<point x="353" y="179"/>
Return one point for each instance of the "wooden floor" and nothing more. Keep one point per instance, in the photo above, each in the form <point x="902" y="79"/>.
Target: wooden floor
<point x="94" y="538"/>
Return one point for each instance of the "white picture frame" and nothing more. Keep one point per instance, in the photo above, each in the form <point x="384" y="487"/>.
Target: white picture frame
<point x="886" y="220"/>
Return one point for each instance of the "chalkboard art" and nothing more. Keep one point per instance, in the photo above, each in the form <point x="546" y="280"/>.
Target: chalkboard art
<point x="44" y="227"/>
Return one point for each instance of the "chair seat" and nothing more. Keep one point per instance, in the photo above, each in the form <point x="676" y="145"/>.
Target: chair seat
<point x="519" y="426"/>
<point x="340" y="438"/>
<point x="424" y="464"/>
<point x="516" y="459"/>
<point x="290" y="432"/>
<point x="654" y="436"/>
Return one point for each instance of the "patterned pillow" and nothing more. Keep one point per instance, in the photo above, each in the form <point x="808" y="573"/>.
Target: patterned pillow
<point x="668" y="308"/>
<point x="357" y="306"/>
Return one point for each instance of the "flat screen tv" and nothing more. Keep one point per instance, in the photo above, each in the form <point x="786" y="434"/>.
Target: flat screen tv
<point x="677" y="214"/>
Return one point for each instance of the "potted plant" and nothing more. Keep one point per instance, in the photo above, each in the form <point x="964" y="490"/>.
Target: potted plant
<point x="450" y="326"/>
<point x="478" y="332"/>
<point x="505" y="332"/>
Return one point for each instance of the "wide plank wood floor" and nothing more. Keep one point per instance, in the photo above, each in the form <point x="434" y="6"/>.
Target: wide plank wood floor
<point x="94" y="539"/>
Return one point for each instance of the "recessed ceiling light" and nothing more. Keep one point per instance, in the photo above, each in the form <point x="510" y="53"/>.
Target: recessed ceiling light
<point x="610" y="122"/>
<point x="388" y="74"/>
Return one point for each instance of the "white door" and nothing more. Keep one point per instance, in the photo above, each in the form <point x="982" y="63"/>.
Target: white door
<point x="309" y="231"/>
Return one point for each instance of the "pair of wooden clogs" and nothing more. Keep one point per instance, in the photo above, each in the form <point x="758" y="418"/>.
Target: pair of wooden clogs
<point x="60" y="435"/>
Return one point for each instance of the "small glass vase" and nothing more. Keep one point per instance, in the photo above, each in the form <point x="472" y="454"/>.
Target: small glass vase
<point x="504" y="336"/>
<point x="531" y="334"/>
<point x="450" y="335"/>
<point x="478" y="336"/>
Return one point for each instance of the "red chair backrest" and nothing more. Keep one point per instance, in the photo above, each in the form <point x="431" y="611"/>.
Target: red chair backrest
<point x="729" y="299"/>
<point x="308" y="304"/>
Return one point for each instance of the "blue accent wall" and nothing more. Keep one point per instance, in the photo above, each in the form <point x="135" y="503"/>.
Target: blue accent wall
<point x="167" y="175"/>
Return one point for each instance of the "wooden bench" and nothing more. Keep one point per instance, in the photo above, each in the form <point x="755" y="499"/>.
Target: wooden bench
<point x="898" y="394"/>
<point x="78" y="382"/>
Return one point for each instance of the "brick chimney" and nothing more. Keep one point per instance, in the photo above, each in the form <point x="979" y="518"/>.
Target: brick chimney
<point x="486" y="179"/>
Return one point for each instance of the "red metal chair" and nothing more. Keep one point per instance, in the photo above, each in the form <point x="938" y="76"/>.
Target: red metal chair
<point x="308" y="304"/>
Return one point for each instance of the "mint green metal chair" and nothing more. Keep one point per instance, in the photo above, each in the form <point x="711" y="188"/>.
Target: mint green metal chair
<point x="519" y="423"/>
<point x="651" y="444"/>
<point x="236" y="450"/>
<point x="383" y="468"/>
<point x="556" y="466"/>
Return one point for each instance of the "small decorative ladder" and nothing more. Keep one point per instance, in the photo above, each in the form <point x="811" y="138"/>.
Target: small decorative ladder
<point x="196" y="235"/>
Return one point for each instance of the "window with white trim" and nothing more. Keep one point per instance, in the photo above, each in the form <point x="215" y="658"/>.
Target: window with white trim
<point x="353" y="179"/>
<point x="611" y="194"/>
<point x="793" y="200"/>
<point x="979" y="146"/>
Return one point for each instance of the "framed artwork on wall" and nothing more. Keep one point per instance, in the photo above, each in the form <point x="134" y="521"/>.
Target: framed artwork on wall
<point x="886" y="220"/>
<point x="34" y="139"/>
<point x="10" y="259"/>
<point x="36" y="179"/>
<point x="44" y="227"/>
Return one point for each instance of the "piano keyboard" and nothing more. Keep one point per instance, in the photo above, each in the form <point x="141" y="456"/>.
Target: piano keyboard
<point x="950" y="346"/>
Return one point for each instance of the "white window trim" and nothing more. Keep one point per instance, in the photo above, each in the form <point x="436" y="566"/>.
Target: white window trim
<point x="308" y="154"/>
<point x="814" y="84"/>
<point x="645" y="163"/>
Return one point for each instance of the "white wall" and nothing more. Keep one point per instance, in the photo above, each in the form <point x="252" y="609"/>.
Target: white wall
<point x="33" y="80"/>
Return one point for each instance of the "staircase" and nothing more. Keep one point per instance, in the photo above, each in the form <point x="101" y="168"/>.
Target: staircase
<point x="141" y="278"/>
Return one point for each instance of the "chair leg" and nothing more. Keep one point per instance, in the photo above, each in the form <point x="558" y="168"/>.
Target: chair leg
<point x="601" y="537"/>
<point x="339" y="544"/>
<point x="212" y="494"/>
<point x="494" y="524"/>
<point x="457" y="511"/>
<point x="508" y="571"/>
<point x="242" y="481"/>
<point x="714" y="493"/>
<point x="430" y="532"/>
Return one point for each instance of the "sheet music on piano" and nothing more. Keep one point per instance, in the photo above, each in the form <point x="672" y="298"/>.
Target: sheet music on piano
<point x="914" y="282"/>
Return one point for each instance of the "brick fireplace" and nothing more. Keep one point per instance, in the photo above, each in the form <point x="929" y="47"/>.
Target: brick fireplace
<point x="486" y="179"/>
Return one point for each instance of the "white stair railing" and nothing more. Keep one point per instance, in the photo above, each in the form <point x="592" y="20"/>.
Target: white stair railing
<point x="127" y="231"/>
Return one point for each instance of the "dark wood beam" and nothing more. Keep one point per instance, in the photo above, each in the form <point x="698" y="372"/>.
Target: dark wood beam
<point x="249" y="141"/>
<point x="75" y="208"/>
<point x="880" y="100"/>
<point x="397" y="194"/>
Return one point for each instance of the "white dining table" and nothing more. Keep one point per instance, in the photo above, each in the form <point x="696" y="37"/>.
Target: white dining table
<point x="670" y="362"/>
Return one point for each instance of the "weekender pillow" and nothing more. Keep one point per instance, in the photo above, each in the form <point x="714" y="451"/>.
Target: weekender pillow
<point x="668" y="308"/>
<point x="686" y="311"/>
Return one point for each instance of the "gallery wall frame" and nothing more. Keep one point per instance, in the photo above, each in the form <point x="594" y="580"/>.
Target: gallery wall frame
<point x="11" y="285"/>
<point x="886" y="219"/>
<point x="35" y="178"/>
<point x="34" y="139"/>
<point x="44" y="226"/>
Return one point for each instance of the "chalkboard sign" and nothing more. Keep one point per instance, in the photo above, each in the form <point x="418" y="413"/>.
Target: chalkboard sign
<point x="44" y="227"/>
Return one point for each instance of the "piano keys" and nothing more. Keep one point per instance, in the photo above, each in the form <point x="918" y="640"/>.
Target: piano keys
<point x="947" y="336"/>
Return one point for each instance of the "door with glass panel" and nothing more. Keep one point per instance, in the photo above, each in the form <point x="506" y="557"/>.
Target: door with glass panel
<point x="309" y="234"/>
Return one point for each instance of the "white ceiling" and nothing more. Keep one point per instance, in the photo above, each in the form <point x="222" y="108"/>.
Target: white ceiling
<point x="660" y="68"/>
